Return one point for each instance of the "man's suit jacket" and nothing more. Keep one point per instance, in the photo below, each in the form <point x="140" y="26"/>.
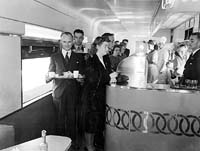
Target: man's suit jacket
<point x="79" y="51"/>
<point x="59" y="65"/>
<point x="192" y="67"/>
<point x="127" y="52"/>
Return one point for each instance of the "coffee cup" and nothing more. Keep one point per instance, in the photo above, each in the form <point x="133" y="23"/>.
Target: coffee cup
<point x="66" y="74"/>
<point x="51" y="74"/>
<point x="75" y="73"/>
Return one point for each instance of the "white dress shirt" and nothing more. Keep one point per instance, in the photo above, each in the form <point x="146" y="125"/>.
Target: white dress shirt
<point x="195" y="51"/>
<point x="64" y="52"/>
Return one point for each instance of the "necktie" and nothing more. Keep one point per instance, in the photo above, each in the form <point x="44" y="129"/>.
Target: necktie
<point x="79" y="49"/>
<point x="67" y="58"/>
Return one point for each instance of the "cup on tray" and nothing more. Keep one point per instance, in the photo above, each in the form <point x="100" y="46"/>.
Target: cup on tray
<point x="75" y="73"/>
<point x="65" y="74"/>
<point x="52" y="74"/>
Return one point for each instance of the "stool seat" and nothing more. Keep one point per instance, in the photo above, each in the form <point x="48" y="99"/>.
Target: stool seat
<point x="7" y="136"/>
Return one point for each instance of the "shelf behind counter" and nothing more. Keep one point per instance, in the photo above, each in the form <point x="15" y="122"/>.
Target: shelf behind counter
<point x="152" y="119"/>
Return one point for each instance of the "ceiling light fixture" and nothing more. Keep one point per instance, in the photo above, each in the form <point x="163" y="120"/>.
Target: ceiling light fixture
<point x="132" y="17"/>
<point x="124" y="13"/>
<point x="166" y="4"/>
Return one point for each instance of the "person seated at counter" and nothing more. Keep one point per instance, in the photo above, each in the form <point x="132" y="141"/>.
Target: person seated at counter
<point x="192" y="66"/>
<point x="180" y="59"/>
<point x="152" y="58"/>
<point x="167" y="57"/>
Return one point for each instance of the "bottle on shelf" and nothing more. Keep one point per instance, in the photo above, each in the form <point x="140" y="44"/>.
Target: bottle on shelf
<point x="43" y="145"/>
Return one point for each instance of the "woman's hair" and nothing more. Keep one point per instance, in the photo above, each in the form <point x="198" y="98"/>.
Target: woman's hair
<point x="98" y="41"/>
<point x="150" y="42"/>
<point x="155" y="47"/>
<point x="178" y="47"/>
<point x="115" y="46"/>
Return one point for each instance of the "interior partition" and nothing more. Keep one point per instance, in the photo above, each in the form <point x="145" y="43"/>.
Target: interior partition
<point x="152" y="120"/>
<point x="29" y="121"/>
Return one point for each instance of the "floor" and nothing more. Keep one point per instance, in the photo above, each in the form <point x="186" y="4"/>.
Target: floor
<point x="82" y="149"/>
<point x="81" y="142"/>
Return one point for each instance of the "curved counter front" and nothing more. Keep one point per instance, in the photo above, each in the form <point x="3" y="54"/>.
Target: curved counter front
<point x="152" y="120"/>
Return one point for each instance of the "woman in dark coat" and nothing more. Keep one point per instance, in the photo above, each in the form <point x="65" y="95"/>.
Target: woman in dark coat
<point x="94" y="92"/>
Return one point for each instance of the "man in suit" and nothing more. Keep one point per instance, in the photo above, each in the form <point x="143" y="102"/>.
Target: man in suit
<point x="127" y="51"/>
<point x="106" y="58"/>
<point x="78" y="41"/>
<point x="192" y="66"/>
<point x="66" y="89"/>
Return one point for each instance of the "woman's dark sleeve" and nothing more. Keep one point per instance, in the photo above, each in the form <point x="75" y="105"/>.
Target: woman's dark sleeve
<point x="91" y="72"/>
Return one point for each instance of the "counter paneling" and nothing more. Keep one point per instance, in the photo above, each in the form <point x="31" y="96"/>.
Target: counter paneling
<point x="142" y="119"/>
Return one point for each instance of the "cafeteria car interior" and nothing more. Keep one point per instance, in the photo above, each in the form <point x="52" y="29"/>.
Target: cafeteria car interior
<point x="150" y="107"/>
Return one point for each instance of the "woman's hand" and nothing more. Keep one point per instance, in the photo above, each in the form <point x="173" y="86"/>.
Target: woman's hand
<point x="113" y="77"/>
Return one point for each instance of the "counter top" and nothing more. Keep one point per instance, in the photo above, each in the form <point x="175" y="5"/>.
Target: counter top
<point x="159" y="87"/>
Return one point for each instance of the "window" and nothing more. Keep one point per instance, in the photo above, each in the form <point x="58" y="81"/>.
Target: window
<point x="33" y="77"/>
<point x="36" y="51"/>
<point x="41" y="32"/>
<point x="188" y="32"/>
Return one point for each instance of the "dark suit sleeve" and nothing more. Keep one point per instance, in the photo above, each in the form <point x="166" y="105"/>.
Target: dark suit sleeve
<point x="107" y="62"/>
<point x="198" y="70"/>
<point x="94" y="73"/>
<point x="52" y="66"/>
<point x="81" y="64"/>
<point x="91" y="74"/>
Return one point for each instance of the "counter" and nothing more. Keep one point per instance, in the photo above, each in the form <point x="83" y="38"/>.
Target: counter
<point x="55" y="143"/>
<point x="152" y="119"/>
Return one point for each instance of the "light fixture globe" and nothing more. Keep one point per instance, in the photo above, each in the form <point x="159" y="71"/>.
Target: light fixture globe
<point x="166" y="4"/>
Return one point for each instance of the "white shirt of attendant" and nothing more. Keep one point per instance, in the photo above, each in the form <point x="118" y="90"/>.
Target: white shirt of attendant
<point x="195" y="51"/>
<point x="78" y="48"/>
<point x="64" y="52"/>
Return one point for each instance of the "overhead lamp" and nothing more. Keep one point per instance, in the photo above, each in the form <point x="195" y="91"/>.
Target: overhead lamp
<point x="124" y="13"/>
<point x="166" y="4"/>
<point x="109" y="20"/>
<point x="132" y="17"/>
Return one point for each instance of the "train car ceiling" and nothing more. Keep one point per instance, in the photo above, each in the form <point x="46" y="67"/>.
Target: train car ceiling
<point x="132" y="17"/>
<point x="181" y="11"/>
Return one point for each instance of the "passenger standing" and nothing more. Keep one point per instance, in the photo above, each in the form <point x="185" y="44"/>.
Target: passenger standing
<point x="94" y="93"/>
<point x="115" y="57"/>
<point x="152" y="59"/>
<point x="111" y="38"/>
<point x="66" y="91"/>
<point x="192" y="66"/>
<point x="126" y="51"/>
<point x="163" y="55"/>
<point x="180" y="59"/>
<point x="122" y="51"/>
<point x="78" y="41"/>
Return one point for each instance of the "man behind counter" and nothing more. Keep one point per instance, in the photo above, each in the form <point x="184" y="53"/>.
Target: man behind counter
<point x="192" y="66"/>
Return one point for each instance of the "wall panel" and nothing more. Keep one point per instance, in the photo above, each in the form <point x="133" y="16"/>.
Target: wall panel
<point x="10" y="77"/>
